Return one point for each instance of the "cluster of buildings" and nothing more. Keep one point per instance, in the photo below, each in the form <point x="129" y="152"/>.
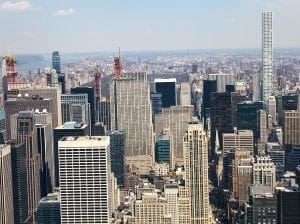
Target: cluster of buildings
<point x="217" y="147"/>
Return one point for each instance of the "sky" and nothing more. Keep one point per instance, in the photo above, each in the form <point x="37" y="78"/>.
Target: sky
<point x="41" y="26"/>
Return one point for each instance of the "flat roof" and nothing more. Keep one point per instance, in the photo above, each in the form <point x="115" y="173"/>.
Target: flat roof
<point x="165" y="80"/>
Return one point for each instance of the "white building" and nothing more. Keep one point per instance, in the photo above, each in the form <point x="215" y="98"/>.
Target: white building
<point x="223" y="79"/>
<point x="84" y="177"/>
<point x="267" y="55"/>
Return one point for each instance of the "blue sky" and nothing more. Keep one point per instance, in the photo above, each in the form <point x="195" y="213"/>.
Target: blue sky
<point x="41" y="26"/>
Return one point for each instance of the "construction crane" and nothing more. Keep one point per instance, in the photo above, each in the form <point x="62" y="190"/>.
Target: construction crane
<point x="97" y="76"/>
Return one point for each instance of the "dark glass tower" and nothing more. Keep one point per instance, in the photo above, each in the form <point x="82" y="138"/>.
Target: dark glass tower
<point x="156" y="103"/>
<point x="117" y="151"/>
<point x="209" y="87"/>
<point x="162" y="149"/>
<point x="48" y="210"/>
<point x="167" y="88"/>
<point x="247" y="116"/>
<point x="56" y="62"/>
<point x="19" y="178"/>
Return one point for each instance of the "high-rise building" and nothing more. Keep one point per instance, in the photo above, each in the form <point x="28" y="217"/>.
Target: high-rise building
<point x="264" y="172"/>
<point x="291" y="130"/>
<point x="150" y="209"/>
<point x="222" y="81"/>
<point x="6" y="190"/>
<point x="84" y="169"/>
<point x="67" y="129"/>
<point x="19" y="182"/>
<point x="117" y="154"/>
<point x="223" y="116"/>
<point x="56" y="62"/>
<point x="167" y="88"/>
<point x="25" y="103"/>
<point x="131" y="111"/>
<point x="47" y="93"/>
<point x="48" y="209"/>
<point x="185" y="94"/>
<point x="287" y="102"/>
<point x="91" y="100"/>
<point x="256" y="85"/>
<point x="104" y="114"/>
<point x="194" y="68"/>
<point x="263" y="134"/>
<point x="163" y="149"/>
<point x="242" y="140"/>
<point x="288" y="205"/>
<point x="171" y="196"/>
<point x="209" y="87"/>
<point x="196" y="168"/>
<point x="156" y="103"/>
<point x="272" y="109"/>
<point x="176" y="120"/>
<point x="75" y="107"/>
<point x="267" y="55"/>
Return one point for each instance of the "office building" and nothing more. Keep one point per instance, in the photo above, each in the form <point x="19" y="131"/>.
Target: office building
<point x="263" y="133"/>
<point x="194" y="68"/>
<point x="287" y="102"/>
<point x="47" y="93"/>
<point x="167" y="88"/>
<point x="196" y="168"/>
<point x="75" y="107"/>
<point x="48" y="210"/>
<point x="272" y="109"/>
<point x="264" y="205"/>
<point x="91" y="100"/>
<point x="185" y="94"/>
<point x="267" y="55"/>
<point x="56" y="62"/>
<point x="292" y="158"/>
<point x="241" y="172"/>
<point x="277" y="154"/>
<point x="91" y="157"/>
<point x="104" y="114"/>
<point x="171" y="195"/>
<point x="117" y="153"/>
<point x="223" y="116"/>
<point x="131" y="111"/>
<point x="52" y="77"/>
<point x="25" y="103"/>
<point x="156" y="103"/>
<point x="242" y="140"/>
<point x="6" y="190"/>
<point x="256" y="85"/>
<point x="291" y="130"/>
<point x="67" y="129"/>
<point x="176" y="120"/>
<point x="264" y="172"/>
<point x="19" y="182"/>
<point x="209" y="87"/>
<point x="163" y="149"/>
<point x="288" y="205"/>
<point x="150" y="209"/>
<point x="247" y="117"/>
<point x="222" y="80"/>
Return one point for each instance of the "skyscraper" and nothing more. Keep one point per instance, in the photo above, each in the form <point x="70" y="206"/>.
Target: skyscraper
<point x="84" y="169"/>
<point x="131" y="111"/>
<point x="48" y="210"/>
<point x="196" y="168"/>
<point x="222" y="81"/>
<point x="56" y="62"/>
<point x="117" y="153"/>
<point x="6" y="190"/>
<point x="267" y="55"/>
<point x="264" y="171"/>
<point x="167" y="88"/>
<point x="19" y="178"/>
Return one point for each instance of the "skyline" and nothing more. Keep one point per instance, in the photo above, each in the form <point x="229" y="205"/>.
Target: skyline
<point x="72" y="26"/>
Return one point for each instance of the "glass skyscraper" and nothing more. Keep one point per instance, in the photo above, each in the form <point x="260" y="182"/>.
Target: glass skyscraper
<point x="56" y="62"/>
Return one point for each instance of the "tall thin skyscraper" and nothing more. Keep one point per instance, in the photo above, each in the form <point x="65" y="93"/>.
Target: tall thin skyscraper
<point x="196" y="168"/>
<point x="84" y="176"/>
<point x="267" y="54"/>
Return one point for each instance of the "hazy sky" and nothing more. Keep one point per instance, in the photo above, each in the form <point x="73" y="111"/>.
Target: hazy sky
<point x="36" y="26"/>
